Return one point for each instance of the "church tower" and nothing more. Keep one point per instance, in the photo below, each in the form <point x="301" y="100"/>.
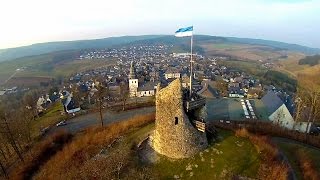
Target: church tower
<point x="133" y="81"/>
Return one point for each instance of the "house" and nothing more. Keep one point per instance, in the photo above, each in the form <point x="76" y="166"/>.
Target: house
<point x="235" y="92"/>
<point x="141" y="89"/>
<point x="147" y="89"/>
<point x="279" y="114"/>
<point x="2" y="93"/>
<point x="172" y="74"/>
<point x="68" y="103"/>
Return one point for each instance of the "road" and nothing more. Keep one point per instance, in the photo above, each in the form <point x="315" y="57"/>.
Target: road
<point x="5" y="82"/>
<point x="81" y="122"/>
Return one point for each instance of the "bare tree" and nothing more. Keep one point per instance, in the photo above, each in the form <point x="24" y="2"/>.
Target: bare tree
<point x="8" y="133"/>
<point x="25" y="117"/>
<point x="100" y="95"/>
<point x="124" y="94"/>
<point x="4" y="171"/>
<point x="30" y="100"/>
<point x="309" y="92"/>
<point x="222" y="87"/>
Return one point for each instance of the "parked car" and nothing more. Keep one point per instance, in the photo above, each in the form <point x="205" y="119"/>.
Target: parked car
<point x="44" y="131"/>
<point x="61" y="123"/>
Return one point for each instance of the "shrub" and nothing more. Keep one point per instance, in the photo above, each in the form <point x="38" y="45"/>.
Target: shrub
<point x="307" y="167"/>
<point x="268" y="128"/>
<point x="39" y="154"/>
<point x="272" y="165"/>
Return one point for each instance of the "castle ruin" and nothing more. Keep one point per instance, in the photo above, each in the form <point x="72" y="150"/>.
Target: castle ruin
<point x="175" y="135"/>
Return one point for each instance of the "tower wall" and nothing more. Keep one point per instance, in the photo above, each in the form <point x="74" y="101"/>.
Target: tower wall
<point x="174" y="135"/>
<point x="133" y="87"/>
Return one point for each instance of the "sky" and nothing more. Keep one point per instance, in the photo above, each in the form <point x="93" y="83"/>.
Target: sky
<point x="34" y="21"/>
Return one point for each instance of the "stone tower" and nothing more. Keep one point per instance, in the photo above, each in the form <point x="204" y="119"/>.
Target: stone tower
<point x="174" y="135"/>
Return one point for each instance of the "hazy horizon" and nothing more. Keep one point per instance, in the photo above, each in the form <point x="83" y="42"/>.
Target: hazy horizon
<point x="36" y="21"/>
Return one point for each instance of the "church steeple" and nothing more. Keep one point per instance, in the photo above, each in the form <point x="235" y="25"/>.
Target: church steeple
<point x="132" y="74"/>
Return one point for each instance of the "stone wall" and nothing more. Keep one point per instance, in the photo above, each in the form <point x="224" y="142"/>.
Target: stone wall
<point x="174" y="135"/>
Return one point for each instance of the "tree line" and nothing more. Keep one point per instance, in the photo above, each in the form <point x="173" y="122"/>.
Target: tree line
<point x="310" y="60"/>
<point x="16" y="116"/>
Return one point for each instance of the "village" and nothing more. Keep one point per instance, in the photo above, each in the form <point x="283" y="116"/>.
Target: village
<point x="231" y="94"/>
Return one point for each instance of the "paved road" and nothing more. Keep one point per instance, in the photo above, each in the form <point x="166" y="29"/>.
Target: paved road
<point x="81" y="122"/>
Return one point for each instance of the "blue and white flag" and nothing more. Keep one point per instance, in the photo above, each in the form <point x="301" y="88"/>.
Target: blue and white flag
<point x="183" y="32"/>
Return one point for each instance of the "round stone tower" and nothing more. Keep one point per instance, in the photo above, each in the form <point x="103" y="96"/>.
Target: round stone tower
<point x="174" y="135"/>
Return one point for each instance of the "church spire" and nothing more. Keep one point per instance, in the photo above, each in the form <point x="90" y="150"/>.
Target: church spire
<point x="132" y="74"/>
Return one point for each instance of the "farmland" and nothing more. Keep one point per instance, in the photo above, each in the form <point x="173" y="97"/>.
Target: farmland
<point x="43" y="68"/>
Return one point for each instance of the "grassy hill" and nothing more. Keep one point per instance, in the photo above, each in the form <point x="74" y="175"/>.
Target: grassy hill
<point x="42" y="48"/>
<point x="275" y="44"/>
<point x="51" y="59"/>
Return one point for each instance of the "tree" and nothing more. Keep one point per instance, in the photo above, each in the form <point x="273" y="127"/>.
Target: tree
<point x="25" y="117"/>
<point x="124" y="94"/>
<point x="30" y="100"/>
<point x="309" y="93"/>
<point x="3" y="169"/>
<point x="100" y="95"/>
<point x="222" y="87"/>
<point x="7" y="132"/>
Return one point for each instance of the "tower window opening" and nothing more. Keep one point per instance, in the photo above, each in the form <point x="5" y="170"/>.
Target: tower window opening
<point x="175" y="120"/>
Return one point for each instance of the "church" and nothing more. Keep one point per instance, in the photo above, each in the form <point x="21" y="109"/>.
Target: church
<point x="140" y="89"/>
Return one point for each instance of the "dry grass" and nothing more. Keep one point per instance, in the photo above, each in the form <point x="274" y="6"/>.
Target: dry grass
<point x="268" y="128"/>
<point x="40" y="154"/>
<point x="307" y="167"/>
<point x="272" y="167"/>
<point x="79" y="159"/>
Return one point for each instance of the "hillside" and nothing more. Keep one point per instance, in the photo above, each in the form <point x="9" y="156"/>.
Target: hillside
<point x="275" y="44"/>
<point x="42" y="48"/>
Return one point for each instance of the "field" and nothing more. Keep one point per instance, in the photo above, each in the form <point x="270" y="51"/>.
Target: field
<point x="242" y="51"/>
<point x="52" y="65"/>
<point x="27" y="81"/>
<point x="230" y="108"/>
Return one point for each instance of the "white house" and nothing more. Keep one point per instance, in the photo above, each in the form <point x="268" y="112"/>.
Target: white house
<point x="172" y="74"/>
<point x="68" y="102"/>
<point x="279" y="114"/>
<point x="140" y="90"/>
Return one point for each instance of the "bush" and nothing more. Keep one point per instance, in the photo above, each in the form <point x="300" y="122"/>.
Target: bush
<point x="39" y="154"/>
<point x="307" y="167"/>
<point x="272" y="165"/>
<point x="268" y="128"/>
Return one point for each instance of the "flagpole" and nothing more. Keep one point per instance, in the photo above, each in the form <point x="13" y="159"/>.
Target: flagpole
<point x="191" y="71"/>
